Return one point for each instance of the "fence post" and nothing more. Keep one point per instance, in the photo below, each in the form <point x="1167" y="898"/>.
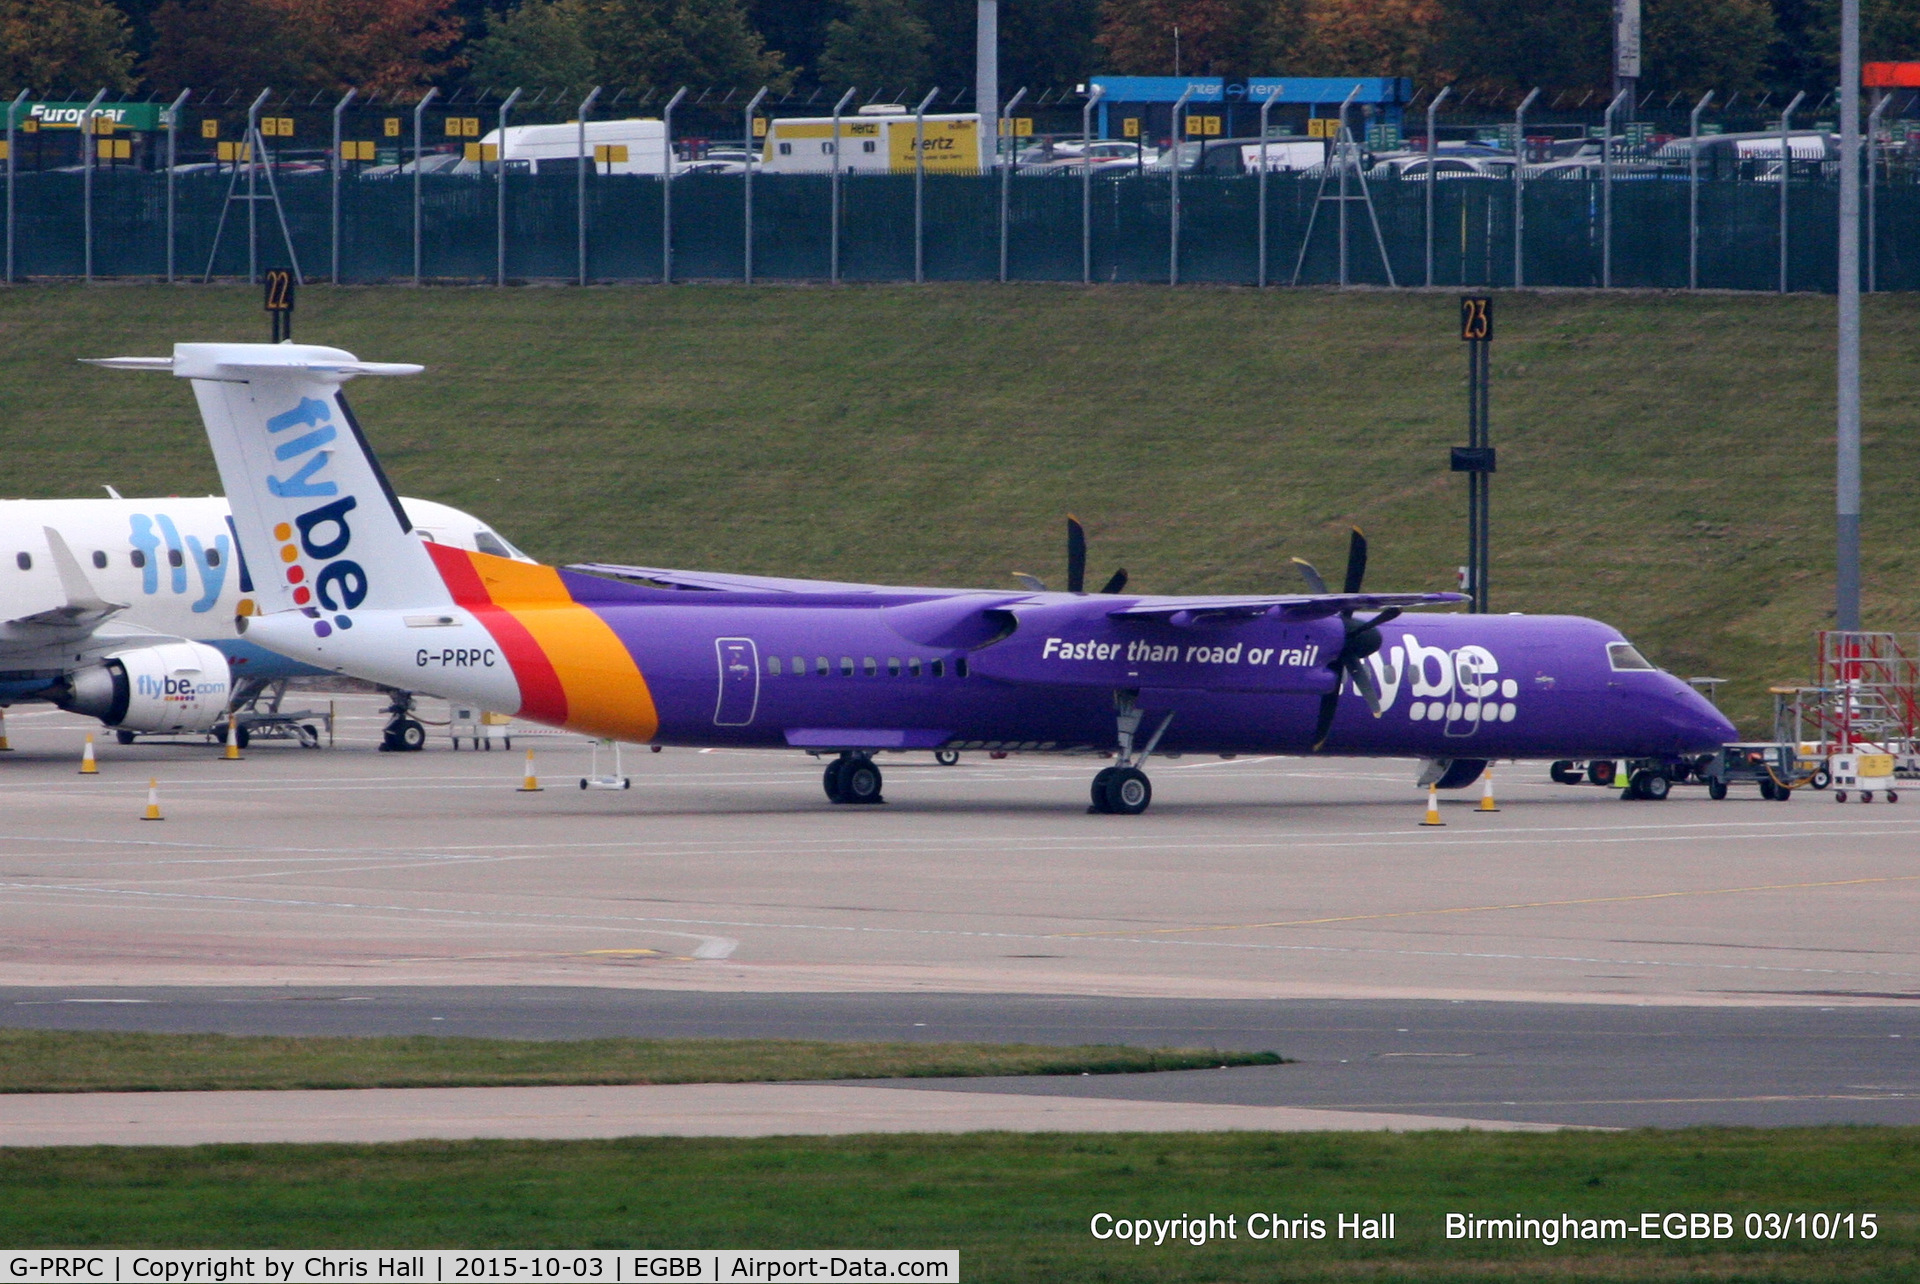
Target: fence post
<point x="1606" y="189"/>
<point x="746" y="269"/>
<point x="1006" y="171"/>
<point x="338" y="108"/>
<point x="1260" y="274"/>
<point x="1519" y="189"/>
<point x="87" y="146"/>
<point x="1173" y="186"/>
<point x="1873" y="226"/>
<point x="833" y="251"/>
<point x="666" y="178"/>
<point x="418" y="109"/>
<point x="1786" y="177"/>
<point x="500" y="190"/>
<point x="1086" y="184"/>
<point x="10" y="114"/>
<point x="1432" y="108"/>
<point x="580" y="179"/>
<point x="1693" y="191"/>
<point x="919" y="187"/>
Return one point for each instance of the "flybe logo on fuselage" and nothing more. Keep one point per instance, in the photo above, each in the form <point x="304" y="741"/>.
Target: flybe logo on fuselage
<point x="312" y="547"/>
<point x="151" y="533"/>
<point x="1458" y="687"/>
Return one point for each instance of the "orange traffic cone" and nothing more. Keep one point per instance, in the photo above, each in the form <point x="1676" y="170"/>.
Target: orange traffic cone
<point x="1486" y="790"/>
<point x="1433" y="806"/>
<point x="88" y="767"/>
<point x="233" y="740"/>
<point x="531" y="784"/>
<point x="153" y="801"/>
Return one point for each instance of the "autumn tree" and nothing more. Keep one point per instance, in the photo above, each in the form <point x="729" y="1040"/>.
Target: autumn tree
<point x="1366" y="38"/>
<point x="69" y="45"/>
<point x="1213" y="37"/>
<point x="377" y="46"/>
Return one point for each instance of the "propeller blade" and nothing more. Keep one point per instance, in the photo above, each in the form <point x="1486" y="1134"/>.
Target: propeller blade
<point x="1392" y="612"/>
<point x="1356" y="561"/>
<point x="1116" y="583"/>
<point x="1329" y="705"/>
<point x="1362" y="674"/>
<point x="1031" y="582"/>
<point x="1076" y="555"/>
<point x="1307" y="572"/>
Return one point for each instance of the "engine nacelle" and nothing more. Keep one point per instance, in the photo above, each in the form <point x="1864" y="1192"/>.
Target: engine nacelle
<point x="166" y="687"/>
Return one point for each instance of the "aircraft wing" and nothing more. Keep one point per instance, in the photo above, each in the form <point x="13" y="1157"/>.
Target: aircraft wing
<point x="77" y="617"/>
<point x="721" y="581"/>
<point x="1293" y="606"/>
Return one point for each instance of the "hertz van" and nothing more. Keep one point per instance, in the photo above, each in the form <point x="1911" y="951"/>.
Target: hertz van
<point x="637" y="146"/>
<point x="878" y="140"/>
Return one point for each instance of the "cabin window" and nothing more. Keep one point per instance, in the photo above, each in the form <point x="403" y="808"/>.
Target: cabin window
<point x="846" y="666"/>
<point x="799" y="666"/>
<point x="959" y="666"/>
<point x="23" y="560"/>
<point x="868" y="666"/>
<point x="825" y="668"/>
<point x="937" y="668"/>
<point x="213" y="557"/>
<point x="773" y="665"/>
<point x="99" y="560"/>
<point x="175" y="558"/>
<point x="138" y="558"/>
<point x="893" y="666"/>
<point x="1622" y="656"/>
<point x="913" y="666"/>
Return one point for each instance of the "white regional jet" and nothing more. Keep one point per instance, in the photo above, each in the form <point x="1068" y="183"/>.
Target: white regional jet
<point x="123" y="610"/>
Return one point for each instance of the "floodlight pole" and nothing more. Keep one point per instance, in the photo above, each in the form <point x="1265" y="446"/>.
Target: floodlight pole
<point x="1433" y="109"/>
<point x="1006" y="173"/>
<point x="746" y="190"/>
<point x="338" y="108"/>
<point x="666" y="177"/>
<point x="1872" y="284"/>
<point x="13" y="110"/>
<point x="419" y="109"/>
<point x="1606" y="189"/>
<point x="1847" y="436"/>
<point x="87" y="146"/>
<point x="580" y="180"/>
<point x="920" y="186"/>
<point x="1173" y="188"/>
<point x="1086" y="183"/>
<point x="833" y="251"/>
<point x="1260" y="272"/>
<point x="1693" y="191"/>
<point x="500" y="188"/>
<point x="1786" y="174"/>
<point x="1519" y="189"/>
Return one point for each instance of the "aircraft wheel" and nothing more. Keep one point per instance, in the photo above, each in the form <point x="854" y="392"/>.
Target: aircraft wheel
<point x="1128" y="791"/>
<point x="412" y="737"/>
<point x="860" y="781"/>
<point x="830" y="780"/>
<point x="1652" y="785"/>
<point x="1100" y="779"/>
<point x="1716" y="789"/>
<point x="125" y="737"/>
<point x="946" y="757"/>
<point x="1563" y="773"/>
<point x="1600" y="772"/>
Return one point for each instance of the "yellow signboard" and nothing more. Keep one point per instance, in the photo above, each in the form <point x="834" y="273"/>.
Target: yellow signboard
<point x="1130" y="127"/>
<point x="951" y="146"/>
<point x="391" y="127"/>
<point x="1323" y="127"/>
<point x="463" y="127"/>
<point x="1203" y="126"/>
<point x="483" y="152"/>
<point x="209" y="129"/>
<point x="115" y="148"/>
<point x="238" y="152"/>
<point x="357" y="149"/>
<point x="759" y="126"/>
<point x="276" y="127"/>
<point x="609" y="153"/>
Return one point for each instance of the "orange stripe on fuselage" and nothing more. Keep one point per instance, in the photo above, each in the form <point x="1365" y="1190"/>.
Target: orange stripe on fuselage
<point x="573" y="669"/>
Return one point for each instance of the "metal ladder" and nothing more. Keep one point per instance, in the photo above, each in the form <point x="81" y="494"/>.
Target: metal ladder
<point x="256" y="150"/>
<point x="1345" y="154"/>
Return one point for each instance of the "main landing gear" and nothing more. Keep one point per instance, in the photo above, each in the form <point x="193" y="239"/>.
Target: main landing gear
<point x="1123" y="789"/>
<point x="852" y="778"/>
<point x="404" y="733"/>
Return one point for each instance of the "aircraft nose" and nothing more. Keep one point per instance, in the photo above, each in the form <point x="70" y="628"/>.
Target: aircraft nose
<point x="1697" y="725"/>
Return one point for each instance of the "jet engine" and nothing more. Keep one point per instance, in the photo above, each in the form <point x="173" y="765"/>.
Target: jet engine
<point x="166" y="687"/>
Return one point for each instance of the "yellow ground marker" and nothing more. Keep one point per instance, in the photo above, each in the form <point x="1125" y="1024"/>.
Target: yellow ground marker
<point x="1433" y="806"/>
<point x="531" y="784"/>
<point x="88" y="767"/>
<point x="1486" y="790"/>
<point x="153" y="801"/>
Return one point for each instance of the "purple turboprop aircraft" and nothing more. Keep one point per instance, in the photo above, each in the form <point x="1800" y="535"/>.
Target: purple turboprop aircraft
<point x="650" y="655"/>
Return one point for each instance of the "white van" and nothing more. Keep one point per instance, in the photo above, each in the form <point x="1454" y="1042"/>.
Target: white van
<point x="878" y="140"/>
<point x="636" y="146"/>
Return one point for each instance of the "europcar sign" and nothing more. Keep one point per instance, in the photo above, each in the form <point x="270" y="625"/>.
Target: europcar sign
<point x="138" y="117"/>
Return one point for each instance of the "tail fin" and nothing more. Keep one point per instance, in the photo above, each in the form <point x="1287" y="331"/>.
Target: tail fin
<point x="319" y="523"/>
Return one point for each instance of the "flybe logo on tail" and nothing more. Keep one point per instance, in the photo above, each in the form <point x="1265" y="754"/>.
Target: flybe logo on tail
<point x="312" y="547"/>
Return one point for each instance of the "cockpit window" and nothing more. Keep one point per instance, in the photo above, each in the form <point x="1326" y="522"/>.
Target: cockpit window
<point x="1622" y="656"/>
<point x="487" y="542"/>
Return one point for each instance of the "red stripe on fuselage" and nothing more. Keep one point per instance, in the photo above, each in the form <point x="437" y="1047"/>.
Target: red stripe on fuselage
<point x="541" y="695"/>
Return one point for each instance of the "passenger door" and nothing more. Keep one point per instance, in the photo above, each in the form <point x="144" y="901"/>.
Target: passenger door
<point x="739" y="663"/>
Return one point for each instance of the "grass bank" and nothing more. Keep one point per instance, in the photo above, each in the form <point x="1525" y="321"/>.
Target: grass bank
<point x="91" y="1061"/>
<point x="1019" y="1208"/>
<point x="1666" y="462"/>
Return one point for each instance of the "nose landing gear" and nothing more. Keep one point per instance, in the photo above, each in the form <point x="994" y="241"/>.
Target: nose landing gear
<point x="403" y="733"/>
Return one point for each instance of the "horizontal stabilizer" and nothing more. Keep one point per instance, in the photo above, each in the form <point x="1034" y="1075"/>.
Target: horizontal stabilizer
<point x="237" y="362"/>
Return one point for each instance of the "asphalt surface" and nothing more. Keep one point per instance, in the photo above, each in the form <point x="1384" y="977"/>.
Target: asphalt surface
<point x="1568" y="959"/>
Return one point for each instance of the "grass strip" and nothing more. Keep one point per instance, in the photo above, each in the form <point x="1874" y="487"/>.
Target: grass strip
<point x="100" y="1061"/>
<point x="1019" y="1207"/>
